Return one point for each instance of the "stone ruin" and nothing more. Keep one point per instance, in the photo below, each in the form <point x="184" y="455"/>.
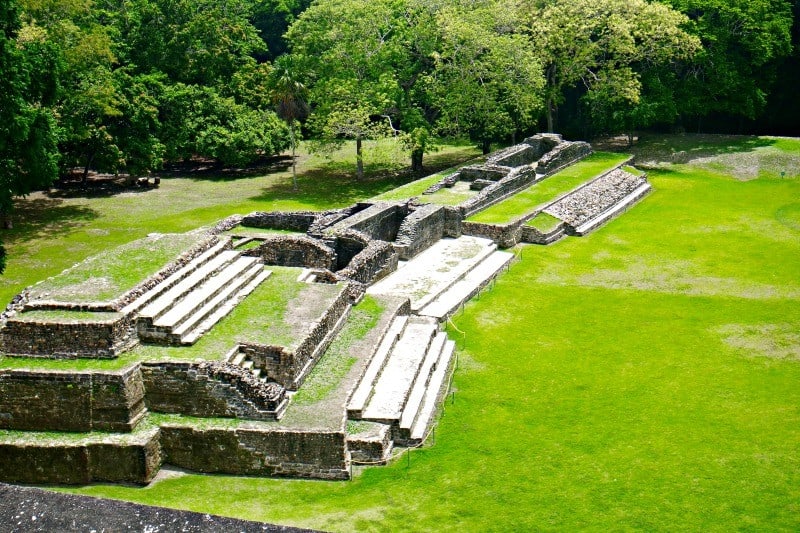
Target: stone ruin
<point x="388" y="397"/>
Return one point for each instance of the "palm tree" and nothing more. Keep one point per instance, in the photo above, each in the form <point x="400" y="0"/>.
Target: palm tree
<point x="289" y="98"/>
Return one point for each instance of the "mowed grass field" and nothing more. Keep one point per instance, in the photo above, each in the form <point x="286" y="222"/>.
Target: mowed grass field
<point x="645" y="377"/>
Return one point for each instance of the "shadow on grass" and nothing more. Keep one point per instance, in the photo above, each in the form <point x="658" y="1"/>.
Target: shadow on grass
<point x="334" y="183"/>
<point x="682" y="149"/>
<point x="214" y="171"/>
<point x="45" y="218"/>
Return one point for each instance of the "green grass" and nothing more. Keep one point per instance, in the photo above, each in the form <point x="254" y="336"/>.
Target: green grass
<point x="417" y="187"/>
<point x="55" y="230"/>
<point x="549" y="189"/>
<point x="111" y="273"/>
<point x="337" y="360"/>
<point x="642" y="378"/>
<point x="63" y="315"/>
<point x="544" y="222"/>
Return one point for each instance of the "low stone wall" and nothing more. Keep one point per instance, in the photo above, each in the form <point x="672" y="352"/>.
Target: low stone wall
<point x="289" y="368"/>
<point x="380" y="221"/>
<point x="483" y="172"/>
<point x="328" y="219"/>
<point x="563" y="155"/>
<point x="378" y="259"/>
<point x="453" y="219"/>
<point x="505" y="236"/>
<point x="516" y="156"/>
<point x="543" y="143"/>
<point x="422" y="228"/>
<point x="257" y="452"/>
<point x="534" y="236"/>
<point x="209" y="389"/>
<point x="299" y="221"/>
<point x="518" y="179"/>
<point x="71" y="401"/>
<point x="294" y="251"/>
<point x="104" y="339"/>
<point x="347" y="244"/>
<point x="81" y="461"/>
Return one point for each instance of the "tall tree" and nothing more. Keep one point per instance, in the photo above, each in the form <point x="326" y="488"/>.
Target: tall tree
<point x="289" y="96"/>
<point x="28" y="86"/>
<point x="744" y="42"/>
<point x="599" y="44"/>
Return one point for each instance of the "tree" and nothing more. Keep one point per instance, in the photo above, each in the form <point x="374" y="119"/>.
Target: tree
<point x="744" y="42"/>
<point x="289" y="96"/>
<point x="30" y="69"/>
<point x="346" y="49"/>
<point x="487" y="78"/>
<point x="601" y="45"/>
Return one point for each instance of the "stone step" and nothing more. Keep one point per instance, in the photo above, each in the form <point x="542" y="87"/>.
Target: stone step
<point x="238" y="358"/>
<point x="617" y="209"/>
<point x="365" y="387"/>
<point x="400" y="371"/>
<point x="414" y="402"/>
<point x="167" y="299"/>
<point x="435" y="270"/>
<point x="175" y="277"/>
<point x="208" y="290"/>
<point x="227" y="306"/>
<point x="446" y="303"/>
<point x="433" y="395"/>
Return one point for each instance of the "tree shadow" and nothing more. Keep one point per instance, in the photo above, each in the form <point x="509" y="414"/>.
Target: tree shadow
<point x="685" y="148"/>
<point x="36" y="218"/>
<point x="334" y="183"/>
<point x="212" y="170"/>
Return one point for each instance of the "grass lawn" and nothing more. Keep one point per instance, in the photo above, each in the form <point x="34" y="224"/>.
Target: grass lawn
<point x="549" y="189"/>
<point x="642" y="378"/>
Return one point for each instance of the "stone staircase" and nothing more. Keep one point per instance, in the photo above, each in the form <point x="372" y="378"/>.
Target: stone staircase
<point x="405" y="379"/>
<point x="440" y="279"/>
<point x="189" y="302"/>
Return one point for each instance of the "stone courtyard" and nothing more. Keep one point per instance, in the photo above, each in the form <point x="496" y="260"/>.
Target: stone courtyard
<point x="275" y="343"/>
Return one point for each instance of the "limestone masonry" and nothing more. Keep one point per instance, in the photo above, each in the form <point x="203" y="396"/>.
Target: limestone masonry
<point x="104" y="391"/>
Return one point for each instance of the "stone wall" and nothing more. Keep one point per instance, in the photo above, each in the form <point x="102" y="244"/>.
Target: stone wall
<point x="71" y="401"/>
<point x="518" y="179"/>
<point x="505" y="236"/>
<point x="72" y="461"/>
<point x="257" y="452"/>
<point x="347" y="243"/>
<point x="515" y="156"/>
<point x="543" y="143"/>
<point x="380" y="221"/>
<point x="422" y="228"/>
<point x="377" y="260"/>
<point x="563" y="155"/>
<point x="328" y="219"/>
<point x="103" y="339"/>
<point x="535" y="236"/>
<point x="289" y="368"/>
<point x="209" y="389"/>
<point x="294" y="251"/>
<point x="485" y="172"/>
<point x="299" y="221"/>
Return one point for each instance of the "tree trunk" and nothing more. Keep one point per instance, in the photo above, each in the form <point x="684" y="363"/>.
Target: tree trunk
<point x="550" y="109"/>
<point x="416" y="160"/>
<point x="294" y="160"/>
<point x="359" y="158"/>
<point x="486" y="146"/>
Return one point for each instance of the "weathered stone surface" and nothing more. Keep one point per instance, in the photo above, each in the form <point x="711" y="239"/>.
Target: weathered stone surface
<point x="294" y="251"/>
<point x="134" y="459"/>
<point x="515" y="156"/>
<point x="379" y="221"/>
<point x="289" y="367"/>
<point x="504" y="236"/>
<point x="378" y="259"/>
<point x="299" y="221"/>
<point x="104" y="339"/>
<point x="562" y="155"/>
<point x="485" y="172"/>
<point x="71" y="401"/>
<point x="421" y="228"/>
<point x="592" y="199"/>
<point x="256" y="451"/>
<point x="209" y="389"/>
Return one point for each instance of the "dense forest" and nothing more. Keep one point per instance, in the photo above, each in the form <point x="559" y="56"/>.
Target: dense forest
<point x="125" y="86"/>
